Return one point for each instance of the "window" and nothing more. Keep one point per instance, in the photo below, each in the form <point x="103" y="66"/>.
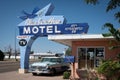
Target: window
<point x="90" y="57"/>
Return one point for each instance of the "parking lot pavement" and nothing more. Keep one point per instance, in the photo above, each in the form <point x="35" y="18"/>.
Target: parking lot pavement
<point x="14" y="75"/>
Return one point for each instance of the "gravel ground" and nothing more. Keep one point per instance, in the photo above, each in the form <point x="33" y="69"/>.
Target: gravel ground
<point x="14" y="75"/>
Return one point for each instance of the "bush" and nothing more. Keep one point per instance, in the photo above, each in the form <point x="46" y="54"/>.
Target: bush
<point x="66" y="75"/>
<point x="1" y="56"/>
<point x="110" y="69"/>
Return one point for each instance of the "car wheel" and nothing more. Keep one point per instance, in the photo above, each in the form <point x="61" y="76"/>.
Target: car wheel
<point x="53" y="72"/>
<point x="34" y="74"/>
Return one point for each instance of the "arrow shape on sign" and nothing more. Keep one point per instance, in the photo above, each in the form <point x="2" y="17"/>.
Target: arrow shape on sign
<point x="40" y="17"/>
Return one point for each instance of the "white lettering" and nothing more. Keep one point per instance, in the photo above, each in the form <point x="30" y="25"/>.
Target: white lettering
<point x="56" y="30"/>
<point x="35" y="30"/>
<point x="49" y="29"/>
<point x="41" y="21"/>
<point x="42" y="28"/>
<point x="26" y="30"/>
<point x="22" y="42"/>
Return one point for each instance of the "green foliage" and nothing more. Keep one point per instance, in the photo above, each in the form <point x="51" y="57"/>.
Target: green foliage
<point x="113" y="31"/>
<point x="107" y="34"/>
<point x="114" y="47"/>
<point x="118" y="56"/>
<point x="31" y="52"/>
<point x="68" y="52"/>
<point x="66" y="75"/>
<point x="94" y="2"/>
<point x="1" y="56"/>
<point x="110" y="69"/>
<point x="117" y="16"/>
<point x="112" y="4"/>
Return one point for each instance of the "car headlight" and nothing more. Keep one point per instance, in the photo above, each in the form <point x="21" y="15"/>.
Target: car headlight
<point x="47" y="66"/>
<point x="30" y="66"/>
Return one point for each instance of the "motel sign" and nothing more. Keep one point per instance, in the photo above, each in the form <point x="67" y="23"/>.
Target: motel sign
<point x="40" y="24"/>
<point x="44" y="30"/>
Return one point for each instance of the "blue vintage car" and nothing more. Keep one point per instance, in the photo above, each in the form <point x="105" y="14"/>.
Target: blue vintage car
<point x="49" y="65"/>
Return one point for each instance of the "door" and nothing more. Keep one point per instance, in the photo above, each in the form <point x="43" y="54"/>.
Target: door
<point x="89" y="57"/>
<point x="86" y="57"/>
<point x="81" y="57"/>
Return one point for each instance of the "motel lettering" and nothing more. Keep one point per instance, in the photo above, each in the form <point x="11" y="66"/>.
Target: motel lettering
<point x="41" y="29"/>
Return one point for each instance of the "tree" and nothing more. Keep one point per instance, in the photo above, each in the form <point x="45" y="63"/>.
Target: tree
<point x="31" y="52"/>
<point x="1" y="56"/>
<point x="112" y="4"/>
<point x="9" y="51"/>
<point x="109" y="68"/>
<point x="112" y="32"/>
<point x="68" y="52"/>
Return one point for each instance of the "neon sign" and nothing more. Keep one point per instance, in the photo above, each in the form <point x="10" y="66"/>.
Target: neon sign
<point x="44" y="30"/>
<point x="73" y="28"/>
<point x="41" y="23"/>
<point x="40" y="29"/>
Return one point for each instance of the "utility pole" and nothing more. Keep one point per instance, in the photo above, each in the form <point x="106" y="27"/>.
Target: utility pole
<point x="15" y="46"/>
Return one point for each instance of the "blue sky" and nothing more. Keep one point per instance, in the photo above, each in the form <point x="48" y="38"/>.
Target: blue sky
<point x="75" y="11"/>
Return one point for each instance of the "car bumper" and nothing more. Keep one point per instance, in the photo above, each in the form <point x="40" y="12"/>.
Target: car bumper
<point x="41" y="72"/>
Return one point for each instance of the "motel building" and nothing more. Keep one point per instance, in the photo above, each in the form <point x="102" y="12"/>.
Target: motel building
<point x="88" y="49"/>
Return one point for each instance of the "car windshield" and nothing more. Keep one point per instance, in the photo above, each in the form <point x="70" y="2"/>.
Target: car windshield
<point x="50" y="60"/>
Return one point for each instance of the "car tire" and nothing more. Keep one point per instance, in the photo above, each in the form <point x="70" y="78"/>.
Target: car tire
<point x="53" y="72"/>
<point x="34" y="74"/>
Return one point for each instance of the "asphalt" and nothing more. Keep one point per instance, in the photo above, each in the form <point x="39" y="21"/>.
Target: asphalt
<point x="9" y="71"/>
<point x="14" y="75"/>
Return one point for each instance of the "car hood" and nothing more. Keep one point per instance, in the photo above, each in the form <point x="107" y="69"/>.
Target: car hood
<point x="42" y="63"/>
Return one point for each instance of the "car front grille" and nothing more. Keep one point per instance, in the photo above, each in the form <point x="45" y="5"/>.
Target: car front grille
<point x="38" y="68"/>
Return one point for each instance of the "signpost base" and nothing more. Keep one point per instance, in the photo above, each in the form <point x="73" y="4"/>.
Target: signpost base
<point x="23" y="71"/>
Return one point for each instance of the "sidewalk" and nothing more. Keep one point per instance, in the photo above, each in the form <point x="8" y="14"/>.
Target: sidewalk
<point x="16" y="76"/>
